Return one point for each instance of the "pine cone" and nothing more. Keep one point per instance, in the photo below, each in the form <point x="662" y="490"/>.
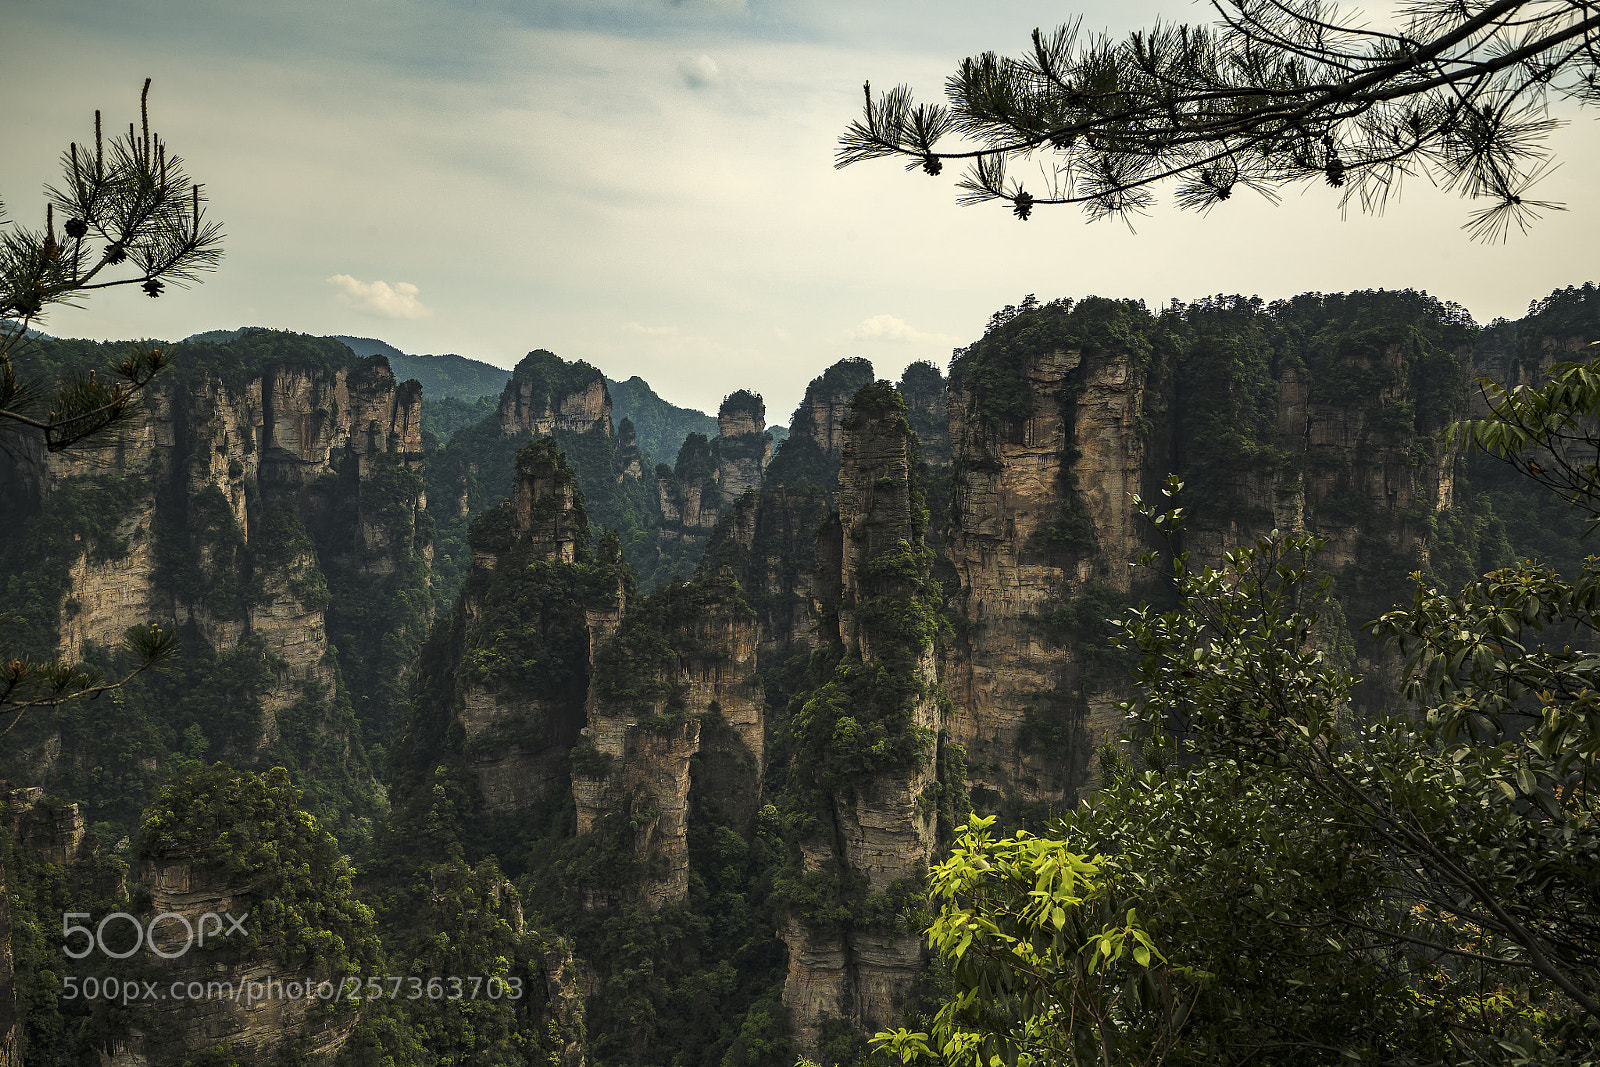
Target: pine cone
<point x="153" y="287"/>
<point x="1022" y="206"/>
<point x="932" y="164"/>
<point x="115" y="253"/>
<point x="76" y="228"/>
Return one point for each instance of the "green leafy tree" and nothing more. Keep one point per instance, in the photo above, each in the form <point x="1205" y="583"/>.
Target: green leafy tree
<point x="1417" y="888"/>
<point x="129" y="216"/>
<point x="1047" y="964"/>
<point x="1276" y="93"/>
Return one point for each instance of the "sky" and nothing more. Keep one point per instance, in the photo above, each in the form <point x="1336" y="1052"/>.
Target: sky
<point x="648" y="185"/>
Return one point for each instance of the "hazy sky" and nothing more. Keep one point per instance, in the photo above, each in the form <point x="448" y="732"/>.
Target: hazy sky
<point x="648" y="184"/>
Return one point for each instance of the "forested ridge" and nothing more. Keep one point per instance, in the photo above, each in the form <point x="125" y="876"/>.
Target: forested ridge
<point x="486" y="687"/>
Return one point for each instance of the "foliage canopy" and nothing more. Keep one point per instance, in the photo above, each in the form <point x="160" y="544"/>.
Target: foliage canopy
<point x="1277" y="92"/>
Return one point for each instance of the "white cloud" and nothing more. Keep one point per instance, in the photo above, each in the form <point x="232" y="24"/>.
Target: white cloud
<point x="889" y="328"/>
<point x="397" y="301"/>
<point x="700" y="72"/>
<point x="649" y="331"/>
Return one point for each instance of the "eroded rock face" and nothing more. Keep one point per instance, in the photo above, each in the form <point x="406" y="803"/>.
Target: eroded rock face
<point x="743" y="445"/>
<point x="546" y="518"/>
<point x="629" y="462"/>
<point x="1012" y="481"/>
<point x="516" y="736"/>
<point x="565" y="999"/>
<point x="879" y="830"/>
<point x="815" y="445"/>
<point x="689" y="498"/>
<point x="647" y="720"/>
<point x="546" y="394"/>
<point x="51" y="832"/>
<point x="768" y="540"/>
<point x="254" y="1034"/>
<point x="213" y="455"/>
<point x="924" y="389"/>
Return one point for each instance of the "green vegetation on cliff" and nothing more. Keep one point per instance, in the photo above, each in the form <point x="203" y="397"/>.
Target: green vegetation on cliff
<point x="249" y="830"/>
<point x="473" y="472"/>
<point x="802" y="459"/>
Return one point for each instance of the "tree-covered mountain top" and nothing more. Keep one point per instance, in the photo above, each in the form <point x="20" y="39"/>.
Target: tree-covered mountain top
<point x="218" y="337"/>
<point x="250" y="351"/>
<point x="660" y="426"/>
<point x="993" y="370"/>
<point x="235" y="356"/>
<point x="844" y="378"/>
<point x="744" y="402"/>
<point x="554" y="377"/>
<point x="447" y="375"/>
<point x="1324" y="334"/>
<point x="695" y="461"/>
<point x="1566" y="315"/>
<point x="921" y="377"/>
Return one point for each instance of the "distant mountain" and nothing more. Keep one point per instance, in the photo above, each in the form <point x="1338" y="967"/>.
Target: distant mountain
<point x="11" y="327"/>
<point x="659" y="426"/>
<point x="441" y="376"/>
<point x="371" y="346"/>
<point x="218" y="337"/>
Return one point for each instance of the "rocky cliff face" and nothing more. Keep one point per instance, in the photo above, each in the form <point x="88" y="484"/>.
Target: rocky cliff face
<point x="247" y="908"/>
<point x="629" y="460"/>
<point x="254" y="1034"/>
<point x="743" y="445"/>
<point x="927" y="409"/>
<point x="1061" y="412"/>
<point x="689" y="499"/>
<point x="547" y="394"/>
<point x="48" y="867"/>
<point x="529" y="601"/>
<point x="264" y="472"/>
<point x="868" y="739"/>
<point x="710" y="476"/>
<point x="1040" y="510"/>
<point x="773" y="751"/>
<point x="681" y="663"/>
<point x="767" y="540"/>
<point x="1323" y="414"/>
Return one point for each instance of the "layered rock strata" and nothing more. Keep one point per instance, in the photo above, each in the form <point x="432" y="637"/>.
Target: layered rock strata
<point x="1039" y="503"/>
<point x="689" y="498"/>
<point x="250" y="486"/>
